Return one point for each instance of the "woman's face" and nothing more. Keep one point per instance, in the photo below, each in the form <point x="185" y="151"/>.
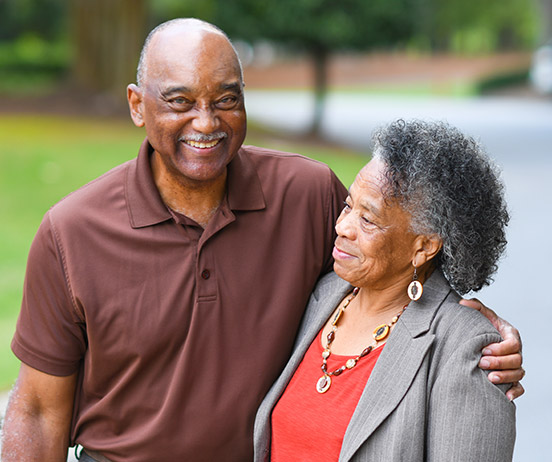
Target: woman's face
<point x="374" y="246"/>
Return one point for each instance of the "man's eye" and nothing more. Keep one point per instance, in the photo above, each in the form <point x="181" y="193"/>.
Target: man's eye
<point x="226" y="102"/>
<point x="179" y="100"/>
<point x="346" y="207"/>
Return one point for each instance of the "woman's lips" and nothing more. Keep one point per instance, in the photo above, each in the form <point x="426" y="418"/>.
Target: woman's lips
<point x="339" y="254"/>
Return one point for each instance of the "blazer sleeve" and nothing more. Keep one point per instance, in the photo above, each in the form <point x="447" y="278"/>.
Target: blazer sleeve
<point x="469" y="418"/>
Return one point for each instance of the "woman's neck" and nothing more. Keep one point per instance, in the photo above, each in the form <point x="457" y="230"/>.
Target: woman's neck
<point x="380" y="301"/>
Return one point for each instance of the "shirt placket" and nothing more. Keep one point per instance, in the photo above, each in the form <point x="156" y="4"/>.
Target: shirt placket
<point x="206" y="274"/>
<point x="206" y="270"/>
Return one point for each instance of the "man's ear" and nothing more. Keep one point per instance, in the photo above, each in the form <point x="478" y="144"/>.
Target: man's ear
<point x="134" y="96"/>
<point x="427" y="247"/>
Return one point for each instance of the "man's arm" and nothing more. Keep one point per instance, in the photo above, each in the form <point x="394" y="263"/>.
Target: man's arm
<point x="505" y="357"/>
<point x="38" y="417"/>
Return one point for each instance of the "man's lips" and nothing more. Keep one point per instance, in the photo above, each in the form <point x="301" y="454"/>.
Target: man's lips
<point x="200" y="141"/>
<point x="202" y="144"/>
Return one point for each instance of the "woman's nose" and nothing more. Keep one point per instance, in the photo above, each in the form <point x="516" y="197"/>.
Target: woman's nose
<point x="344" y="226"/>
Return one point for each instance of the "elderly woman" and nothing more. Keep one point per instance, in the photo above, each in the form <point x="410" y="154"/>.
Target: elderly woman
<point x="386" y="361"/>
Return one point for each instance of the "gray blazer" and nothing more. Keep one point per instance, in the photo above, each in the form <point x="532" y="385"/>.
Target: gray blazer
<point x="426" y="399"/>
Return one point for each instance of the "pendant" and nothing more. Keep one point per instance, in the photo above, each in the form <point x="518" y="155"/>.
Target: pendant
<point x="381" y="332"/>
<point x="323" y="384"/>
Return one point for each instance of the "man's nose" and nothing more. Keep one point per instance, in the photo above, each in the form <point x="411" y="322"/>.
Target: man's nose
<point x="205" y="121"/>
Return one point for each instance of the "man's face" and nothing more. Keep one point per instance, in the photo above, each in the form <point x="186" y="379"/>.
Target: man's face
<point x="191" y="104"/>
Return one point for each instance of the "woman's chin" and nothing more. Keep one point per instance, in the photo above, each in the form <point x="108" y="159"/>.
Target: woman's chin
<point x="343" y="273"/>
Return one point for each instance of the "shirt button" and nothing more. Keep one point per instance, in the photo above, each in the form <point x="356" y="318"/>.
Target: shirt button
<point x="205" y="274"/>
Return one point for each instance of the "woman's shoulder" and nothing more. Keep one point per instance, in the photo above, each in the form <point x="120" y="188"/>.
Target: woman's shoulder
<point x="440" y="313"/>
<point x="460" y="330"/>
<point x="456" y="317"/>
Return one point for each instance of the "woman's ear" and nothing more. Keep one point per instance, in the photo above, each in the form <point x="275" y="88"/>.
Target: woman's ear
<point x="427" y="247"/>
<point x="134" y="96"/>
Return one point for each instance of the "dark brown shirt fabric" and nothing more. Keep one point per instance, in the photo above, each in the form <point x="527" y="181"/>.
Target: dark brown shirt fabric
<point x="176" y="332"/>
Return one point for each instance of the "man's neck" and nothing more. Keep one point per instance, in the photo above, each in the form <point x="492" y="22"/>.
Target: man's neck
<point x="198" y="200"/>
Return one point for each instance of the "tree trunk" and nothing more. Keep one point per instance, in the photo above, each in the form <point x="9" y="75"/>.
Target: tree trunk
<point x="320" y="61"/>
<point x="108" y="36"/>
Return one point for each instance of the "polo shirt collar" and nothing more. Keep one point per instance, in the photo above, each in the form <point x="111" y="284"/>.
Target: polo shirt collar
<point x="146" y="208"/>
<point x="244" y="186"/>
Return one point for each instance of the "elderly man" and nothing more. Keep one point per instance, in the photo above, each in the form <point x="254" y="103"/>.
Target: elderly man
<point x="162" y="299"/>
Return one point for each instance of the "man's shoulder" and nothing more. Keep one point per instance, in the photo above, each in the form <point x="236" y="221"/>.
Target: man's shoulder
<point x="283" y="170"/>
<point x="96" y="193"/>
<point x="290" y="160"/>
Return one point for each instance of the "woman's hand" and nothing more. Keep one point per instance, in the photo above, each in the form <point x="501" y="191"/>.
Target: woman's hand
<point x="505" y="358"/>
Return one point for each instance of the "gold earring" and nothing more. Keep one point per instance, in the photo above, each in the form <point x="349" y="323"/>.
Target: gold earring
<point x="415" y="288"/>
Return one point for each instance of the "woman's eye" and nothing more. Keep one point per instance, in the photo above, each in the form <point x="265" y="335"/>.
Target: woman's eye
<point x="346" y="206"/>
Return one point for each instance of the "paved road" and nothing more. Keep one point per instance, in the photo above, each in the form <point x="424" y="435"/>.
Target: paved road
<point x="518" y="134"/>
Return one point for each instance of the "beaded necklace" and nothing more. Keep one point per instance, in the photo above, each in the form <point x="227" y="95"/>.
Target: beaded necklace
<point x="380" y="333"/>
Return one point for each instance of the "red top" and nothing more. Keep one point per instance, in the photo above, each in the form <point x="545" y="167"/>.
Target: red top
<point x="310" y="424"/>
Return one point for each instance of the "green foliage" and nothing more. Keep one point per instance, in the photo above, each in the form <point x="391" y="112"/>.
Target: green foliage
<point x="163" y="10"/>
<point x="317" y="25"/>
<point x="34" y="50"/>
<point x="467" y="26"/>
<point x="503" y="80"/>
<point x="31" y="53"/>
<point x="472" y="26"/>
<point x="45" y="18"/>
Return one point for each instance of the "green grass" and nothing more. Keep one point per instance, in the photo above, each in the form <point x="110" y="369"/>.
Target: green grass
<point x="43" y="158"/>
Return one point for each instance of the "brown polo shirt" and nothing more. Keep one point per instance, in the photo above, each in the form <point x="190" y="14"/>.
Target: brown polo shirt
<point x="176" y="332"/>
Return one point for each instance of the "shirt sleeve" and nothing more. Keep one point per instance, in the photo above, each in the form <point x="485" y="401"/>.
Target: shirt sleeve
<point x="337" y="193"/>
<point x="469" y="418"/>
<point x="50" y="335"/>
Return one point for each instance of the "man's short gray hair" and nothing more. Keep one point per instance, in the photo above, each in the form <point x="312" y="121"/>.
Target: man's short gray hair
<point x="452" y="189"/>
<point x="191" y="22"/>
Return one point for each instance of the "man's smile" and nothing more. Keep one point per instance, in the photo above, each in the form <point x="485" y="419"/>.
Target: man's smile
<point x="202" y="145"/>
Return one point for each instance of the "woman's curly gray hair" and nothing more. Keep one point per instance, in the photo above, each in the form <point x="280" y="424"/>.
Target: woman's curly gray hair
<point x="451" y="188"/>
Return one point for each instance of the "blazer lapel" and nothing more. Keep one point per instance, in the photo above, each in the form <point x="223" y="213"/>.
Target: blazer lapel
<point x="327" y="295"/>
<point x="396" y="367"/>
<point x="324" y="300"/>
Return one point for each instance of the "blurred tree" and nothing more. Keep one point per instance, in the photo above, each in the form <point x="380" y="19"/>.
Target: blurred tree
<point x="319" y="27"/>
<point x="42" y="18"/>
<point x="108" y="36"/>
<point x="162" y="10"/>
